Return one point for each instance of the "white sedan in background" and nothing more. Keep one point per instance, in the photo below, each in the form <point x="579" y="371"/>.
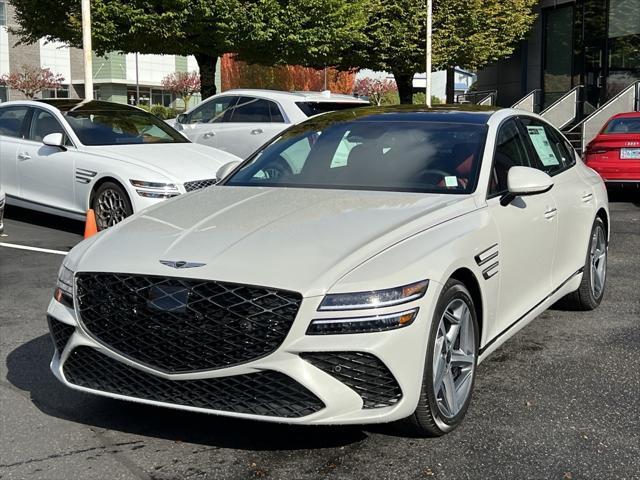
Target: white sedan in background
<point x="66" y="156"/>
<point x="360" y="287"/>
<point x="241" y="121"/>
<point x="1" y="208"/>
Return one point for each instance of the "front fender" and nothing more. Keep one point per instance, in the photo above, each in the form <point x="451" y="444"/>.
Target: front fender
<point x="434" y="254"/>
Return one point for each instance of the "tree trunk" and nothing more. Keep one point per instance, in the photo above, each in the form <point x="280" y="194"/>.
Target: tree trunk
<point x="451" y="85"/>
<point x="404" y="81"/>
<point x="207" y="66"/>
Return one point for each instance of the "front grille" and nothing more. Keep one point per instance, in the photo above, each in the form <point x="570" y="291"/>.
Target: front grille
<point x="264" y="393"/>
<point x="362" y="372"/>
<point x="198" y="184"/>
<point x="182" y="325"/>
<point x="60" y="333"/>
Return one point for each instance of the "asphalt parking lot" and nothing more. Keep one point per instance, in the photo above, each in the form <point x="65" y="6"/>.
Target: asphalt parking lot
<point x="561" y="400"/>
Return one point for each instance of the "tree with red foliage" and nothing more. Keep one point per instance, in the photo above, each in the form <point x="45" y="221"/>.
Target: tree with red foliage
<point x="374" y="88"/>
<point x="183" y="84"/>
<point x="32" y="80"/>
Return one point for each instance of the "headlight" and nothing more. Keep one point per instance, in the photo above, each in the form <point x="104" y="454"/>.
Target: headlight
<point x="378" y="323"/>
<point x="374" y="299"/>
<point x="64" y="286"/>
<point x="155" y="189"/>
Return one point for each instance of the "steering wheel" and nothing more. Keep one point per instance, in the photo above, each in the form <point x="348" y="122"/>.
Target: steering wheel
<point x="433" y="172"/>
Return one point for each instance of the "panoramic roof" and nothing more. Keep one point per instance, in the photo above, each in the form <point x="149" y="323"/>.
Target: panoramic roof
<point x="472" y="114"/>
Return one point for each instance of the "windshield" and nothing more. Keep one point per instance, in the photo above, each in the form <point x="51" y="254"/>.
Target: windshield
<point x="433" y="157"/>
<point x="624" y="125"/>
<point x="120" y="127"/>
<point x="315" y="108"/>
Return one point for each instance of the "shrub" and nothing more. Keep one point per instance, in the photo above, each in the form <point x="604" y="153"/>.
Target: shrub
<point x="160" y="111"/>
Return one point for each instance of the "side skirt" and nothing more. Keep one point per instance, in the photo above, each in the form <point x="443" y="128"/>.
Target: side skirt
<point x="40" y="207"/>
<point x="531" y="314"/>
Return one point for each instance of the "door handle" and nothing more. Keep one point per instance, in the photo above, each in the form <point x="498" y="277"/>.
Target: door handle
<point x="256" y="131"/>
<point x="24" y="156"/>
<point x="587" y="197"/>
<point x="209" y="134"/>
<point x="550" y="213"/>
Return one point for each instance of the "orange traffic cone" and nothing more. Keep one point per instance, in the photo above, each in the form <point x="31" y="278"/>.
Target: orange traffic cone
<point x="90" y="226"/>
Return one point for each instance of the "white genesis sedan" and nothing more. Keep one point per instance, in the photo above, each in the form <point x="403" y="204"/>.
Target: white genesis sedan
<point x="363" y="285"/>
<point x="66" y="156"/>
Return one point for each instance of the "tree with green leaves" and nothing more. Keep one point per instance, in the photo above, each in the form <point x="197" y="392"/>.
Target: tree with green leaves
<point x="466" y="33"/>
<point x="312" y="32"/>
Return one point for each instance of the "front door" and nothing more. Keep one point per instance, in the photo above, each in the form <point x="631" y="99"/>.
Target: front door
<point x="204" y="124"/>
<point x="527" y="230"/>
<point x="46" y="173"/>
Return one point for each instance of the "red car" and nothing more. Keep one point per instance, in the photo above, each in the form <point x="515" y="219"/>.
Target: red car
<point x="615" y="152"/>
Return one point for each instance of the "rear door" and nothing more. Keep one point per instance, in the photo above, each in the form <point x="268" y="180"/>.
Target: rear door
<point x="204" y="124"/>
<point x="573" y="197"/>
<point x="252" y="122"/>
<point x="527" y="234"/>
<point x="12" y="126"/>
<point x="46" y="173"/>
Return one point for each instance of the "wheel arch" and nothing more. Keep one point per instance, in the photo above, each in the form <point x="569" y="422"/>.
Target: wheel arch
<point x="602" y="215"/>
<point x="101" y="181"/>
<point x="468" y="278"/>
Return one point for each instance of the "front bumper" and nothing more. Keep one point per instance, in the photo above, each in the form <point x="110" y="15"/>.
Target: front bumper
<point x="303" y="359"/>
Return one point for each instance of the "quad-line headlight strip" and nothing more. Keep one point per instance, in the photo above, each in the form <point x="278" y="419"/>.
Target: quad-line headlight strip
<point x="155" y="189"/>
<point x="375" y="298"/>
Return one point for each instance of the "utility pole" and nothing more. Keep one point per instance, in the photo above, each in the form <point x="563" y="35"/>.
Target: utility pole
<point x="86" y="47"/>
<point x="137" y="82"/>
<point x="428" y="77"/>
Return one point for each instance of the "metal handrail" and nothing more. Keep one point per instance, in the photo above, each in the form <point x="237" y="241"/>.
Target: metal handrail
<point x="472" y="97"/>
<point x="529" y="102"/>
<point x="625" y="101"/>
<point x="564" y="110"/>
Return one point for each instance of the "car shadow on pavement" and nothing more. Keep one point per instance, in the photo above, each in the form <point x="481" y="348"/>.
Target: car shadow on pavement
<point x="44" y="219"/>
<point x="631" y="195"/>
<point x="28" y="370"/>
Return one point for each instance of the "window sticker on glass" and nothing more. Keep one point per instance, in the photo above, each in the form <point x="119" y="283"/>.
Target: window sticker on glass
<point x="542" y="145"/>
<point x="451" y="181"/>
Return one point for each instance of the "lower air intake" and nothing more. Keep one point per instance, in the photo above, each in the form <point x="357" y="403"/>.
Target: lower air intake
<point x="60" y="333"/>
<point x="266" y="393"/>
<point x="362" y="372"/>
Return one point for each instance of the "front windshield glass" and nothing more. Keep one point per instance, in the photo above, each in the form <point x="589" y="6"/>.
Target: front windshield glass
<point x="433" y="157"/>
<point x="120" y="127"/>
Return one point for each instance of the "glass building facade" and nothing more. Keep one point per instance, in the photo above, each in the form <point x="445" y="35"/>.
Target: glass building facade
<point x="594" y="43"/>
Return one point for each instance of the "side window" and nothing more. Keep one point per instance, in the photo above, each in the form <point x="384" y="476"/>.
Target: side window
<point x="42" y="124"/>
<point x="11" y="120"/>
<point x="254" y="110"/>
<point x="551" y="154"/>
<point x="510" y="151"/>
<point x="213" y="111"/>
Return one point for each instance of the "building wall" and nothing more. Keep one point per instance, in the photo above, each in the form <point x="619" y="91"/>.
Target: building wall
<point x="114" y="74"/>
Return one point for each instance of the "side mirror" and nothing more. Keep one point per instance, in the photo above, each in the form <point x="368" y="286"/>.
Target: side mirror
<point x="54" y="140"/>
<point x="182" y="118"/>
<point x="523" y="181"/>
<point x="226" y="169"/>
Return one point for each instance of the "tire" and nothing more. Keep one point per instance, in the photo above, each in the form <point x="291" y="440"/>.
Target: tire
<point x="111" y="205"/>
<point x="594" y="277"/>
<point x="433" y="416"/>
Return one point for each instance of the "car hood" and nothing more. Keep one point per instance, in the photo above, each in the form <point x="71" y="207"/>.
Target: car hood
<point x="303" y="240"/>
<point x="179" y="162"/>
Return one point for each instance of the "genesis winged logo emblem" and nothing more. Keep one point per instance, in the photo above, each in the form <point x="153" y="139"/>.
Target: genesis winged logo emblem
<point x="181" y="264"/>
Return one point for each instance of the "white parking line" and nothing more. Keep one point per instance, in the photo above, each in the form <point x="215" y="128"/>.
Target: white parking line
<point x="33" y="249"/>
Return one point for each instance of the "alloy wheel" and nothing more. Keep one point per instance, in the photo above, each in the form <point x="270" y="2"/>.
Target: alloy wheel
<point x="598" y="261"/>
<point x="110" y="208"/>
<point x="454" y="358"/>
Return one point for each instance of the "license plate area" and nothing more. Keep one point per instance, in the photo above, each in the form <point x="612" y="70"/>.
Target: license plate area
<point x="630" y="153"/>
